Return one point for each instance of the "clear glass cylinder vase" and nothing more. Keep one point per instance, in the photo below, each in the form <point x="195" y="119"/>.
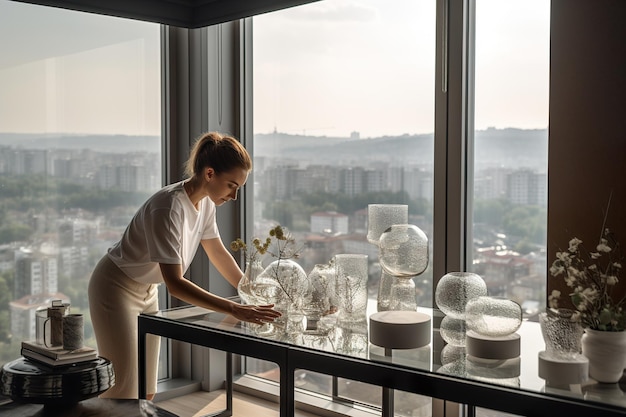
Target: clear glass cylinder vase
<point x="351" y="287"/>
<point x="320" y="299"/>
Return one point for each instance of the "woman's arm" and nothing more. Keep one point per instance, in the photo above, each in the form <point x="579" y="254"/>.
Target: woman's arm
<point x="222" y="260"/>
<point x="187" y="291"/>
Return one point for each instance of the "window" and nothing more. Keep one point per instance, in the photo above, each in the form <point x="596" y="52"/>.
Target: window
<point x="313" y="166"/>
<point x="343" y="118"/>
<point x="80" y="151"/>
<point x="511" y="149"/>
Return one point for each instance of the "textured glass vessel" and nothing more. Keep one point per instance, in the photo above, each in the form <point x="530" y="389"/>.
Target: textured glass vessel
<point x="493" y="316"/>
<point x="382" y="216"/>
<point x="379" y="218"/>
<point x="561" y="335"/>
<point x="383" y="301"/>
<point x="351" y="286"/>
<point x="403" y="250"/>
<point x="403" y="255"/>
<point x="244" y="288"/>
<point x="289" y="283"/>
<point x="455" y="289"/>
<point x="402" y="297"/>
<point x="320" y="298"/>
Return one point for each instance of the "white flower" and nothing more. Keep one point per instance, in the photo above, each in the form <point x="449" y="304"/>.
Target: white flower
<point x="603" y="246"/>
<point x="591" y="277"/>
<point x="553" y="299"/>
<point x="557" y="270"/>
<point x="563" y="256"/>
<point x="573" y="244"/>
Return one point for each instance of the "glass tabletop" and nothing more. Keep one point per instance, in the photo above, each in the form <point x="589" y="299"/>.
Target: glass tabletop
<point x="520" y="372"/>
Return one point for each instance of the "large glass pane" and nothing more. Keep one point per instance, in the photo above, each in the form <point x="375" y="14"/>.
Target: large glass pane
<point x="80" y="149"/>
<point x="511" y="144"/>
<point x="343" y="118"/>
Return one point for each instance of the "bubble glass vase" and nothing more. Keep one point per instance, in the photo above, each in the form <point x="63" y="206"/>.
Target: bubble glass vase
<point x="351" y="287"/>
<point x="455" y="289"/>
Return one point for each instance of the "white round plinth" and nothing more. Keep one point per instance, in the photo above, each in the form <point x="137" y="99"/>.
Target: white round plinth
<point x="487" y="347"/>
<point x="568" y="371"/>
<point x="400" y="329"/>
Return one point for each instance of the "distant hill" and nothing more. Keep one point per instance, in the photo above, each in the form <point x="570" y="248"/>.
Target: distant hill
<point x="509" y="147"/>
<point x="515" y="147"/>
<point x="102" y="143"/>
<point x="493" y="147"/>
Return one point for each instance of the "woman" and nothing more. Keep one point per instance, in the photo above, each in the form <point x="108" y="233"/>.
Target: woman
<point x="158" y="246"/>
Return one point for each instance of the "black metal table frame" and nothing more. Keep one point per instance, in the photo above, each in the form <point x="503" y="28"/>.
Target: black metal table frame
<point x="216" y="339"/>
<point x="290" y="358"/>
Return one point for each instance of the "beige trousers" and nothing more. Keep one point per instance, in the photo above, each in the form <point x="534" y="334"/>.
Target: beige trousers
<point x="115" y="301"/>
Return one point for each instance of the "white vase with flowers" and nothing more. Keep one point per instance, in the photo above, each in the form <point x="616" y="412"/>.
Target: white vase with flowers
<point x="591" y="277"/>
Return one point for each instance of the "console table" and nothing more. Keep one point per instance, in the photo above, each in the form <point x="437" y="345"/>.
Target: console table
<point x="477" y="384"/>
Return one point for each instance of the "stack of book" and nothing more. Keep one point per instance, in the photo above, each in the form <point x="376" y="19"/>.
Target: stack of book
<point x="57" y="356"/>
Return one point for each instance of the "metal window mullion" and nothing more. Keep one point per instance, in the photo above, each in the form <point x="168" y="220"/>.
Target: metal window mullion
<point x="452" y="139"/>
<point x="453" y="173"/>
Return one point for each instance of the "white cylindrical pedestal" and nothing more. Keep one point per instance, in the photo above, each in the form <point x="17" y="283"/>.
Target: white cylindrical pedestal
<point x="400" y="329"/>
<point x="502" y="347"/>
<point x="568" y="371"/>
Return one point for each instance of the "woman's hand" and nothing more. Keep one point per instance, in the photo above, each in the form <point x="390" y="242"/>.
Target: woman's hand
<point x="257" y="314"/>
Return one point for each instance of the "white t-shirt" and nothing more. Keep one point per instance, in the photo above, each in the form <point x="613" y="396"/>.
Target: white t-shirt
<point x="168" y="229"/>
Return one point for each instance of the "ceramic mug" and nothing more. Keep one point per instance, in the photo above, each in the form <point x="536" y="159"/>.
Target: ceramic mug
<point x="73" y="331"/>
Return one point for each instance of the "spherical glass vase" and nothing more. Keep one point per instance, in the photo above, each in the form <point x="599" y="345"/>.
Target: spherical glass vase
<point x="403" y="254"/>
<point x="403" y="250"/>
<point x="455" y="289"/>
<point x="284" y="284"/>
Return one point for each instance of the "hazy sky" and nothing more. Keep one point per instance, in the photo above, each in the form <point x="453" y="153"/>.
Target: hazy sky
<point x="333" y="67"/>
<point x="329" y="68"/>
<point x="71" y="72"/>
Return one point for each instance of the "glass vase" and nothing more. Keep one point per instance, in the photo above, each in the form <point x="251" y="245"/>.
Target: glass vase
<point x="403" y="252"/>
<point x="382" y="216"/>
<point x="244" y="287"/>
<point x="320" y="299"/>
<point x="351" y="287"/>
<point x="383" y="300"/>
<point x="561" y="335"/>
<point x="493" y="316"/>
<point x="284" y="284"/>
<point x="455" y="289"/>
